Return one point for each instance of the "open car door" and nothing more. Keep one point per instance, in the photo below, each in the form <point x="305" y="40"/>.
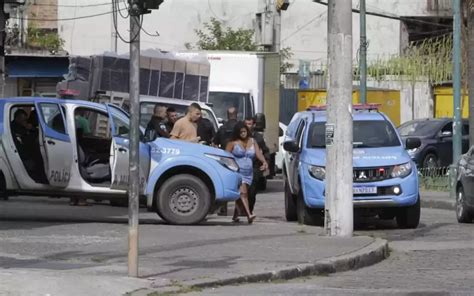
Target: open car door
<point x="55" y="143"/>
<point x="120" y="151"/>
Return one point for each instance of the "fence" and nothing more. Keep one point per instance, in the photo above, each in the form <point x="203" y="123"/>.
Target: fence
<point x="434" y="178"/>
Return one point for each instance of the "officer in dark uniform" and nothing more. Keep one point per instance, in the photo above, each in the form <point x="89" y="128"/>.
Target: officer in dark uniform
<point x="157" y="125"/>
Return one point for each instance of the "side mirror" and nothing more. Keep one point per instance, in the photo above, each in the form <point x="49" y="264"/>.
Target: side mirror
<point x="291" y="146"/>
<point x="280" y="132"/>
<point x="220" y="120"/>
<point x="260" y="122"/>
<point x="413" y="143"/>
<point x="446" y="134"/>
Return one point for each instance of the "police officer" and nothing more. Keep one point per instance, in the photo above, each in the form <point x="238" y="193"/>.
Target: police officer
<point x="157" y="125"/>
<point x="258" y="175"/>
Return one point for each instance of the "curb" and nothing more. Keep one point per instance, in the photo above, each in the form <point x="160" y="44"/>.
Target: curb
<point x="438" y="204"/>
<point x="373" y="253"/>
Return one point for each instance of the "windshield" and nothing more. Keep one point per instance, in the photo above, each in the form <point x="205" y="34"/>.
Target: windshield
<point x="418" y="128"/>
<point x="146" y="111"/>
<point x="221" y="101"/>
<point x="368" y="134"/>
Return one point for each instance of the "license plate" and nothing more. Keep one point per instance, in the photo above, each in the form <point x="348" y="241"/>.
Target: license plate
<point x="364" y="190"/>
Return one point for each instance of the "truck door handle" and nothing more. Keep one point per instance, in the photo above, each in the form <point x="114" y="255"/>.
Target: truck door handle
<point x="51" y="142"/>
<point x="123" y="150"/>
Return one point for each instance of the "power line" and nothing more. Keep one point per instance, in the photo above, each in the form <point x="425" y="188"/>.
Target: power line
<point x="64" y="19"/>
<point x="72" y="6"/>
<point x="303" y="26"/>
<point x="398" y="18"/>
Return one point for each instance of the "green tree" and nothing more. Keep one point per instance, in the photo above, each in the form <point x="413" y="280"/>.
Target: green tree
<point x="43" y="39"/>
<point x="215" y="36"/>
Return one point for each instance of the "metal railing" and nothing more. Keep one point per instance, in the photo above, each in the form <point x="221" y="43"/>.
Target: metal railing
<point x="434" y="178"/>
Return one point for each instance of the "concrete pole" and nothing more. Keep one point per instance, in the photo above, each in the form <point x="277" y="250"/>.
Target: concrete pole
<point x="134" y="176"/>
<point x="470" y="64"/>
<point x="363" y="54"/>
<point x="2" y="48"/>
<point x="339" y="208"/>
<point x="457" y="127"/>
<point x="276" y="29"/>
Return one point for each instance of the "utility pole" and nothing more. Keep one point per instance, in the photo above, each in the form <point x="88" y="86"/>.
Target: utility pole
<point x="339" y="208"/>
<point x="276" y="28"/>
<point x="363" y="54"/>
<point x="457" y="127"/>
<point x="470" y="64"/>
<point x="3" y="34"/>
<point x="134" y="172"/>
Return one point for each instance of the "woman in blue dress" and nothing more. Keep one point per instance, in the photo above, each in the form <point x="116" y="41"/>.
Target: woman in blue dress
<point x="245" y="149"/>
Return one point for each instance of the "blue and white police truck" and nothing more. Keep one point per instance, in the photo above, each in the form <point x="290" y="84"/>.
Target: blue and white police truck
<point x="73" y="148"/>
<point x="385" y="179"/>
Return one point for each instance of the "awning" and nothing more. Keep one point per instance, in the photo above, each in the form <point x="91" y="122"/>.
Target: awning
<point x="31" y="67"/>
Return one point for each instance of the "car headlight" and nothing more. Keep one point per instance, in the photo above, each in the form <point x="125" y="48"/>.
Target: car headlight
<point x="317" y="172"/>
<point x="401" y="171"/>
<point x="412" y="152"/>
<point x="227" y="162"/>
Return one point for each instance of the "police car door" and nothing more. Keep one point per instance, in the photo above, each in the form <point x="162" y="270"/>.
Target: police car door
<point x="120" y="148"/>
<point x="56" y="144"/>
<point x="294" y="159"/>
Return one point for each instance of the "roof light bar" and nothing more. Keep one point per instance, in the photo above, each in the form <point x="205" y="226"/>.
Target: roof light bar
<point x="356" y="107"/>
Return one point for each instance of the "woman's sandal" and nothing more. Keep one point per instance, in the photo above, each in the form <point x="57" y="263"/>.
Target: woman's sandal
<point x="251" y="218"/>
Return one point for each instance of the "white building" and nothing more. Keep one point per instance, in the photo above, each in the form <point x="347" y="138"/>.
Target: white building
<point x="304" y="25"/>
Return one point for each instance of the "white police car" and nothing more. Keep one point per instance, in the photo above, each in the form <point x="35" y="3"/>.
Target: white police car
<point x="71" y="148"/>
<point x="385" y="178"/>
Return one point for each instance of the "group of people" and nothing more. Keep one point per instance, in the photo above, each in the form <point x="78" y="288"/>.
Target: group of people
<point x="192" y="127"/>
<point x="234" y="136"/>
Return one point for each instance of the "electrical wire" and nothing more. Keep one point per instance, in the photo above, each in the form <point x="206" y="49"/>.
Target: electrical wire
<point x="303" y="26"/>
<point x="65" y="5"/>
<point x="149" y="34"/>
<point x="115" y="20"/>
<point x="63" y="19"/>
<point x="398" y="18"/>
<point x="126" y="7"/>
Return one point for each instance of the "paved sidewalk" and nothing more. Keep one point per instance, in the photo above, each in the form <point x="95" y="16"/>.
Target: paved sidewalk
<point x="437" y="200"/>
<point x="87" y="254"/>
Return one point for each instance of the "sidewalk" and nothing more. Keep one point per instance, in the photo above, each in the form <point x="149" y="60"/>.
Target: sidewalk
<point x="437" y="200"/>
<point x="89" y="257"/>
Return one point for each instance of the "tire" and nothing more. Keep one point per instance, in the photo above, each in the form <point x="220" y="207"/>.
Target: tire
<point x="430" y="161"/>
<point x="3" y="188"/>
<point x="462" y="211"/>
<point x="290" y="204"/>
<point x="307" y="216"/>
<point x="409" y="217"/>
<point x="183" y="199"/>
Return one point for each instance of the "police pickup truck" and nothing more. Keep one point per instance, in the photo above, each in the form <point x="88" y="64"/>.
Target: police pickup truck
<point x="385" y="179"/>
<point x="73" y="148"/>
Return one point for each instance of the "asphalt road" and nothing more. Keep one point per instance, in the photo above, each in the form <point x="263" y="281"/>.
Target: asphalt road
<point x="437" y="258"/>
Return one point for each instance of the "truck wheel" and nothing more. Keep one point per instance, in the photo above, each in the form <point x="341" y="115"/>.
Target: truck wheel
<point x="290" y="204"/>
<point x="3" y="188"/>
<point x="462" y="212"/>
<point x="409" y="217"/>
<point x="183" y="199"/>
<point x="307" y="215"/>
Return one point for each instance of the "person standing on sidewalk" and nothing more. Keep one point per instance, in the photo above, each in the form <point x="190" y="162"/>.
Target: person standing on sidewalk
<point x="245" y="149"/>
<point x="258" y="174"/>
<point x="223" y="136"/>
<point x="186" y="128"/>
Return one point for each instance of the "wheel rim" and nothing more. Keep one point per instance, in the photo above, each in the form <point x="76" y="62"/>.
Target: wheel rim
<point x="184" y="201"/>
<point x="460" y="203"/>
<point x="430" y="162"/>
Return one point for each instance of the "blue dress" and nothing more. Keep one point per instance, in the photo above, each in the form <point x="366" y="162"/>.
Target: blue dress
<point x="244" y="158"/>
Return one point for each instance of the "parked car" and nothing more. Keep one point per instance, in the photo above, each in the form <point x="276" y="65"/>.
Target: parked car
<point x="385" y="181"/>
<point x="465" y="188"/>
<point x="436" y="136"/>
<point x="281" y="152"/>
<point x="72" y="148"/>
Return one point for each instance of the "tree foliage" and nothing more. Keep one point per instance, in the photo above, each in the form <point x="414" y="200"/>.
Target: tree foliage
<point x="215" y="36"/>
<point x="42" y="39"/>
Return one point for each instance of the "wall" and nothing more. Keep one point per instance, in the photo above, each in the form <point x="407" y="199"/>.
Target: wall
<point x="43" y="10"/>
<point x="304" y="25"/>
